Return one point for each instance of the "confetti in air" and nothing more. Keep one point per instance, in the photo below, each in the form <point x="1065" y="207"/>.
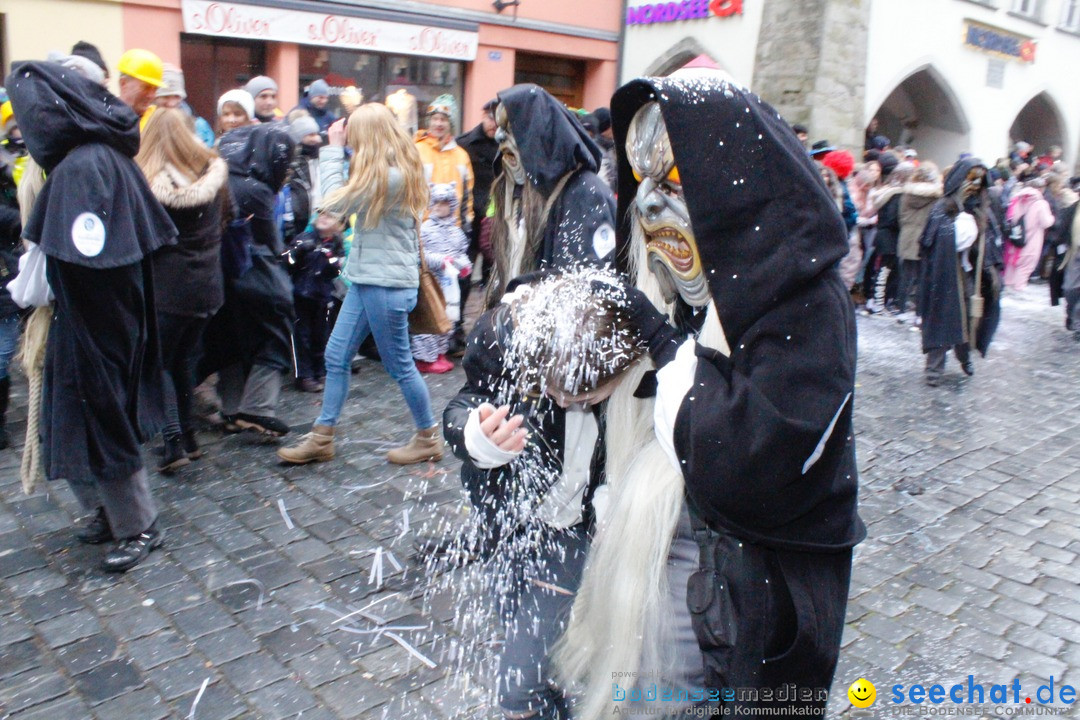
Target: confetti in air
<point x="566" y="335"/>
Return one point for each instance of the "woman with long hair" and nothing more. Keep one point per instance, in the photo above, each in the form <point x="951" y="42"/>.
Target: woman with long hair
<point x="190" y="181"/>
<point x="387" y="190"/>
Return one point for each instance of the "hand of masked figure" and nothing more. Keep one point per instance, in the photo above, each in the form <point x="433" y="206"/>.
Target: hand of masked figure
<point x="662" y="338"/>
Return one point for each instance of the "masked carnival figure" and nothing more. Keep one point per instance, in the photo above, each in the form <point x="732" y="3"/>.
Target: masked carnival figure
<point x="723" y="552"/>
<point x="551" y="209"/>
<point x="959" y="306"/>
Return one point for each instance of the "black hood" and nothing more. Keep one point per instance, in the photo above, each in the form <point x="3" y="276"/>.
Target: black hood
<point x="58" y="110"/>
<point x="764" y="222"/>
<point x="550" y="138"/>
<point x="954" y="180"/>
<point x="258" y="157"/>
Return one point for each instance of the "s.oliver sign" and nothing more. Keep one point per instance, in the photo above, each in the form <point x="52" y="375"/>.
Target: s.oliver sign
<point x="665" y="12"/>
<point x="207" y="17"/>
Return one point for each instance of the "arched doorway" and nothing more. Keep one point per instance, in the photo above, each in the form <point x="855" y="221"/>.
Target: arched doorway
<point x="1040" y="123"/>
<point x="922" y="112"/>
<point x="687" y="50"/>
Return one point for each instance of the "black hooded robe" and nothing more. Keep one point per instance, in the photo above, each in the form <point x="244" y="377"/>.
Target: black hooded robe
<point x="97" y="222"/>
<point x="945" y="288"/>
<point x="765" y="438"/>
<point x="553" y="143"/>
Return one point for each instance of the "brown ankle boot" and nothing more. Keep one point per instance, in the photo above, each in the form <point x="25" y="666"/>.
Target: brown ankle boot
<point x="425" y="445"/>
<point x="316" y="446"/>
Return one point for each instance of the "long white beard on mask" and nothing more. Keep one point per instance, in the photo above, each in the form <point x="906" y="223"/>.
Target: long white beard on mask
<point x="619" y="622"/>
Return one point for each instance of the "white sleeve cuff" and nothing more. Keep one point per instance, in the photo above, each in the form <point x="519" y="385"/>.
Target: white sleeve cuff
<point x="673" y="382"/>
<point x="484" y="453"/>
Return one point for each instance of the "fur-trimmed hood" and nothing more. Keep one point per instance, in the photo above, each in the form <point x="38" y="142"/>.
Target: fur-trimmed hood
<point x="882" y="195"/>
<point x="173" y="190"/>
<point x="923" y="189"/>
<point x="919" y="195"/>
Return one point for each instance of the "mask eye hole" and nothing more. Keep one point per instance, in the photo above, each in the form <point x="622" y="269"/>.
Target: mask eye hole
<point x="637" y="175"/>
<point x="673" y="176"/>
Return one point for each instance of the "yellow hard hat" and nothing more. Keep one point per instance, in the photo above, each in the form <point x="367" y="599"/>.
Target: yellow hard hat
<point x="5" y="114"/>
<point x="142" y="65"/>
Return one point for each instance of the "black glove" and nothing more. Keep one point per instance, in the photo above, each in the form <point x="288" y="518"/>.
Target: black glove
<point x="660" y="336"/>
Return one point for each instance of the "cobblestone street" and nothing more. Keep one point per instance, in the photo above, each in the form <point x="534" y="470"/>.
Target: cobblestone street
<point x="970" y="491"/>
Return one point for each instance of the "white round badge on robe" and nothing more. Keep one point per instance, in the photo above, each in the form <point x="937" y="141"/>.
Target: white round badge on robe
<point x="88" y="234"/>
<point x="603" y="241"/>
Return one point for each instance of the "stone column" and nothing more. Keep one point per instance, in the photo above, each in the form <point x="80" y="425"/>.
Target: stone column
<point x="811" y="65"/>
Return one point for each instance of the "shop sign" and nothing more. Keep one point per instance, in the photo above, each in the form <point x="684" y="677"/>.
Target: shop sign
<point x="999" y="42"/>
<point x="666" y="12"/>
<point x="224" y="19"/>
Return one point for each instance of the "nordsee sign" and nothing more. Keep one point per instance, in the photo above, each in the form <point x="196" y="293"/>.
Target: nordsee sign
<point x="685" y="10"/>
<point x="999" y="42"/>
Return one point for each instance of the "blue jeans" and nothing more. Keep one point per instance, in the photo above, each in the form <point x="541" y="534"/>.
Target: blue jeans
<point x="9" y="341"/>
<point x="384" y="313"/>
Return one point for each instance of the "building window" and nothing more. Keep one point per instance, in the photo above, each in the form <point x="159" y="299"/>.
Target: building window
<point x="1031" y="9"/>
<point x="1070" y="15"/>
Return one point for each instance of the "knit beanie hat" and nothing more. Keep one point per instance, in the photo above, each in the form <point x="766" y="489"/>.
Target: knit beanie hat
<point x="840" y="162"/>
<point x="888" y="163"/>
<point x="318" y="88"/>
<point x="603" y="117"/>
<point x="301" y="127"/>
<point x="258" y="84"/>
<point x="172" y="79"/>
<point x="445" y="104"/>
<point x="242" y="98"/>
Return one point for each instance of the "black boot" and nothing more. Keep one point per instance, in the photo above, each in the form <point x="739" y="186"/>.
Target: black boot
<point x="96" y="531"/>
<point x="174" y="456"/>
<point x="191" y="445"/>
<point x="5" y="393"/>
<point x="457" y="342"/>
<point x="133" y="550"/>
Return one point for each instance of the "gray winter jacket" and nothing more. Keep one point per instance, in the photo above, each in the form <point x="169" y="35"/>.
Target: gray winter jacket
<point x="388" y="254"/>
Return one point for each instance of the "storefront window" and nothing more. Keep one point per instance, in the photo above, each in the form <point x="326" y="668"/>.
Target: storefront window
<point x="214" y="66"/>
<point x="380" y="76"/>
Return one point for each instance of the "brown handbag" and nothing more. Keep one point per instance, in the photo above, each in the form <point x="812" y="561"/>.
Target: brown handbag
<point x="429" y="316"/>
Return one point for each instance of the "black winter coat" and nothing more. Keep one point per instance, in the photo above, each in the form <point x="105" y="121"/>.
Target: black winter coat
<point x="888" y="227"/>
<point x="494" y="492"/>
<point x="482" y="153"/>
<point x="314" y="263"/>
<point x="187" y="276"/>
<point x="10" y="248"/>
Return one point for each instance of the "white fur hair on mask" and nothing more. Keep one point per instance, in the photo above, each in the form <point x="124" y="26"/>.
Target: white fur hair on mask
<point x="619" y="622"/>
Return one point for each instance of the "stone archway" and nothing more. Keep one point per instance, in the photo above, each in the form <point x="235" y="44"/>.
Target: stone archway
<point x="923" y="112"/>
<point x="678" y="55"/>
<point x="1040" y="123"/>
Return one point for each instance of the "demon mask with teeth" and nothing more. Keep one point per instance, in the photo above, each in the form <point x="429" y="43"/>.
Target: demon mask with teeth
<point x="660" y="210"/>
<point x="551" y="209"/>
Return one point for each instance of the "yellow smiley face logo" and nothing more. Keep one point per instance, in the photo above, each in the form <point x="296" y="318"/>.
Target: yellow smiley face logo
<point x="862" y="693"/>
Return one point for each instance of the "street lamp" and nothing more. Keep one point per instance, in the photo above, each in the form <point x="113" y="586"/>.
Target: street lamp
<point x="501" y="5"/>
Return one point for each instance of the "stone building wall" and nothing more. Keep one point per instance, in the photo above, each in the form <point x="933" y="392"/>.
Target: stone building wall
<point x="810" y="65"/>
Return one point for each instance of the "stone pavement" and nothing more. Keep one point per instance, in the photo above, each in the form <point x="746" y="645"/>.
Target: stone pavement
<point x="971" y="492"/>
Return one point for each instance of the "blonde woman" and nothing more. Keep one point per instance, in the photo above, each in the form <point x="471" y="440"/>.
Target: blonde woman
<point x="190" y="181"/>
<point x="387" y="190"/>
